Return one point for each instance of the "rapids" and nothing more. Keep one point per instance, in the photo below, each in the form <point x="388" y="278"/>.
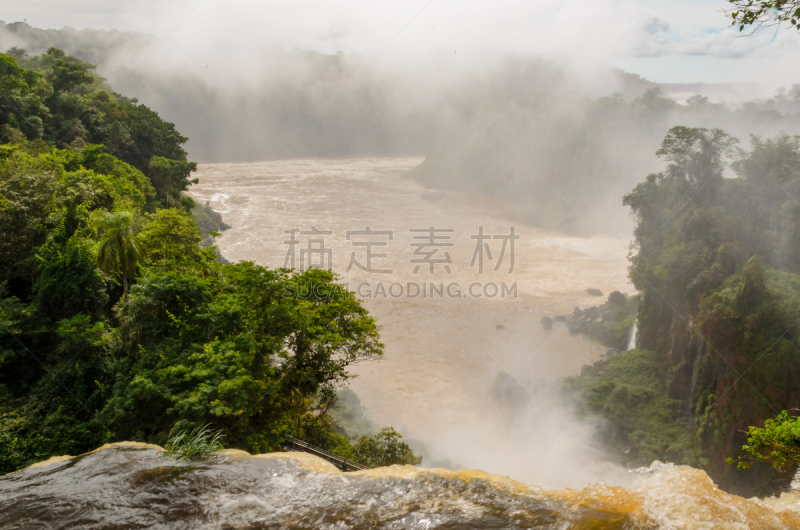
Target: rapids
<point x="443" y="354"/>
<point x="129" y="485"/>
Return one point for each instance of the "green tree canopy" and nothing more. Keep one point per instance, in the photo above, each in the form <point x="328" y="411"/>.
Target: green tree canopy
<point x="66" y="73"/>
<point x="59" y="99"/>
<point x="384" y="449"/>
<point x="170" y="240"/>
<point x="245" y="351"/>
<point x="696" y="155"/>
<point x="119" y="249"/>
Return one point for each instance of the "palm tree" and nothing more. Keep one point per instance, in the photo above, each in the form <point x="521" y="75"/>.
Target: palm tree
<point x="118" y="251"/>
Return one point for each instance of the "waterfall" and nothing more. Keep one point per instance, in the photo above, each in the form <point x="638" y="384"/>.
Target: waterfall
<point x="632" y="339"/>
<point x="795" y="486"/>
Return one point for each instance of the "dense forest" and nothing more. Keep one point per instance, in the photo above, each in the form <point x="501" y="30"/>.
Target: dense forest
<point x="716" y="262"/>
<point x="115" y="322"/>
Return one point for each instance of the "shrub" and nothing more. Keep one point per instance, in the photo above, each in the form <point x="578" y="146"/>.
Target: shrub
<point x="384" y="449"/>
<point x="778" y="442"/>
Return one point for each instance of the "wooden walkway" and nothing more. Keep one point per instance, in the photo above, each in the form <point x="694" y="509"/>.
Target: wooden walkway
<point x="293" y="444"/>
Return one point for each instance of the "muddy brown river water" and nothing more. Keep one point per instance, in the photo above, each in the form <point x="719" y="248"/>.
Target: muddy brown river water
<point x="443" y="352"/>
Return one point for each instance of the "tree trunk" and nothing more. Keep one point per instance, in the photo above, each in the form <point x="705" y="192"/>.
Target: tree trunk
<point x="125" y="285"/>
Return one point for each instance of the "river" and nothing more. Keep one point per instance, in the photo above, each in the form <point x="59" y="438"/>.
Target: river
<point x="443" y="353"/>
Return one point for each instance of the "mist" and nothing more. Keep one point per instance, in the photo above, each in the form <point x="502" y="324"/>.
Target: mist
<point x="562" y="142"/>
<point x="528" y="430"/>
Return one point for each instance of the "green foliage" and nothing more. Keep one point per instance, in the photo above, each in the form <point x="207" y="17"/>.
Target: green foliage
<point x="59" y="99"/>
<point x="690" y="236"/>
<point x="644" y="423"/>
<point x="22" y="95"/>
<point x="119" y="250"/>
<point x="66" y="73"/>
<point x="384" y="449"/>
<point x="778" y="443"/>
<point x="695" y="155"/>
<point x="132" y="188"/>
<point x="196" y="444"/>
<point x="771" y="160"/>
<point x="716" y="262"/>
<point x="39" y="196"/>
<point x="170" y="240"/>
<point x="233" y="349"/>
<point x="170" y="178"/>
<point x="85" y="175"/>
<point x="760" y="14"/>
<point x="67" y="278"/>
<point x="25" y="441"/>
<point x="754" y="313"/>
<point x="320" y="430"/>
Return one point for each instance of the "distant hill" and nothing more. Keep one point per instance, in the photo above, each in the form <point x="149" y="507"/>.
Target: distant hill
<point x="95" y="46"/>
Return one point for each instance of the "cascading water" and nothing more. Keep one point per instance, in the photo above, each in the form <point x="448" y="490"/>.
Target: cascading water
<point x="632" y="339"/>
<point x="132" y="485"/>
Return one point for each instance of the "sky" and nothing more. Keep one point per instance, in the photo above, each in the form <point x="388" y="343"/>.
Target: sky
<point x="678" y="41"/>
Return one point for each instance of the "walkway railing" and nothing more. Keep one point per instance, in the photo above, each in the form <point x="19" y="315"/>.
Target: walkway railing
<point x="293" y="444"/>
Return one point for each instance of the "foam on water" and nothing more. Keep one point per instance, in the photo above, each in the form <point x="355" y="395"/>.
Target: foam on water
<point x="132" y="486"/>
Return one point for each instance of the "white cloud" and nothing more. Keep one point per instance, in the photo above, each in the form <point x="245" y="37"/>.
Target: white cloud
<point x="725" y="44"/>
<point x="656" y="25"/>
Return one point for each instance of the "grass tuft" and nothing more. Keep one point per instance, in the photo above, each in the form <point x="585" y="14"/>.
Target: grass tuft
<point x="197" y="444"/>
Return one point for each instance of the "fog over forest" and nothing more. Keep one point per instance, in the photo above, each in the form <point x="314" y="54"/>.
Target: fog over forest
<point x="565" y="146"/>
